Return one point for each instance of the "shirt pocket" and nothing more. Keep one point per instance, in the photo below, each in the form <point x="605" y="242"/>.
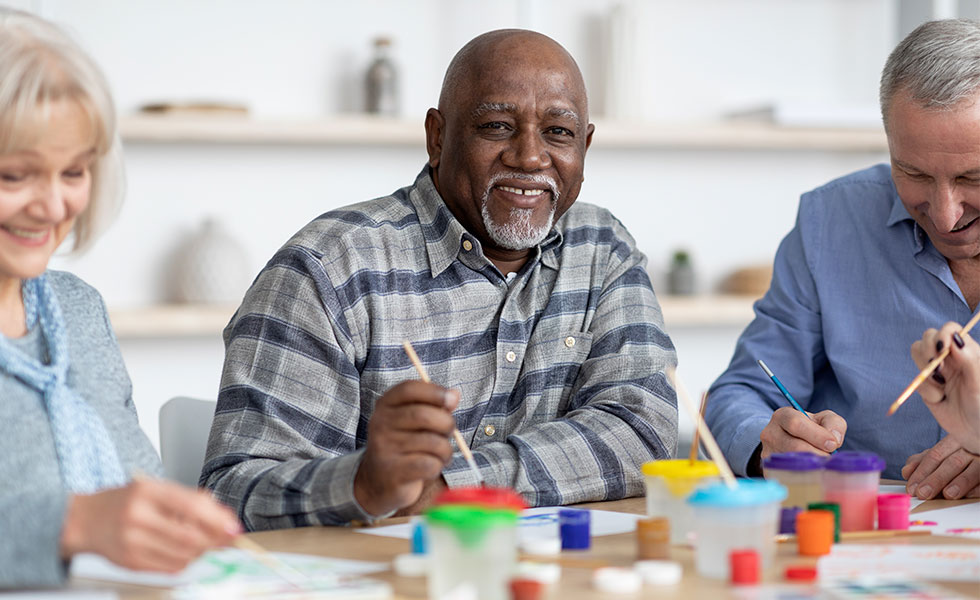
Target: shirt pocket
<point x="552" y="366"/>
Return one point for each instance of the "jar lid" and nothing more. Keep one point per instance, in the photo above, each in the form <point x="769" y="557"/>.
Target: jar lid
<point x="464" y="516"/>
<point x="794" y="461"/>
<point x="680" y="468"/>
<point x="747" y="492"/>
<point x="895" y="501"/>
<point x="801" y="573"/>
<point x="854" y="462"/>
<point x="488" y="497"/>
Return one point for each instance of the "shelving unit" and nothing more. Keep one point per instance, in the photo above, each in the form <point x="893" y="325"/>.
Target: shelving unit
<point x="201" y="320"/>
<point x="360" y="130"/>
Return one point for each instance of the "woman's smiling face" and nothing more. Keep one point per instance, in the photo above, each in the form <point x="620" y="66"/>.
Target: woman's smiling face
<point x="43" y="189"/>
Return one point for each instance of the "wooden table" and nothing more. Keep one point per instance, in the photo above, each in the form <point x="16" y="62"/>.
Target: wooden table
<point x="575" y="584"/>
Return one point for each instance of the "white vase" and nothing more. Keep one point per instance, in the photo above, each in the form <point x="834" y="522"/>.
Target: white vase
<point x="211" y="268"/>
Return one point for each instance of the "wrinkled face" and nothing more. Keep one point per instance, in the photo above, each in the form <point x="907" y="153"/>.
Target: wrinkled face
<point x="513" y="145"/>
<point x="42" y="190"/>
<point x="935" y="158"/>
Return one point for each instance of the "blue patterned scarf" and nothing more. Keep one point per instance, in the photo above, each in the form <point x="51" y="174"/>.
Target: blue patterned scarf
<point x="86" y="454"/>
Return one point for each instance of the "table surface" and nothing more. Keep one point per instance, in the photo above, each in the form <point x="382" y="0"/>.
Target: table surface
<point x="575" y="584"/>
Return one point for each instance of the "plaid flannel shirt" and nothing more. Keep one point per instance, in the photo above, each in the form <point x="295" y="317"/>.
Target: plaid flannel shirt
<point x="560" y="368"/>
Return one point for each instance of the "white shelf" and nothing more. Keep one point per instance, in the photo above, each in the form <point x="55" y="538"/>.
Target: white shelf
<point x="199" y="320"/>
<point x="171" y="320"/>
<point x="361" y="130"/>
<point x="708" y="310"/>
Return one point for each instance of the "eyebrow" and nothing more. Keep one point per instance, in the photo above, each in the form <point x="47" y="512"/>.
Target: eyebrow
<point x="504" y="107"/>
<point x="907" y="167"/>
<point x="492" y="107"/>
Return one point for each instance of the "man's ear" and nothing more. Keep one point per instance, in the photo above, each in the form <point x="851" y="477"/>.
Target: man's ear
<point x="435" y="125"/>
<point x="588" y="136"/>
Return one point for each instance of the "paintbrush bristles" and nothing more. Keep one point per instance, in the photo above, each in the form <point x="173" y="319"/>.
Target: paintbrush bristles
<point x="709" y="440"/>
<point x="926" y="372"/>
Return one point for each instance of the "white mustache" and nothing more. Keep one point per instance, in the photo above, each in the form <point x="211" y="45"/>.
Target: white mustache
<point x="531" y="178"/>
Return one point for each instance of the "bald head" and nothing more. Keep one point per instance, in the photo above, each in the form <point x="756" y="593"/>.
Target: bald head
<point x="490" y="53"/>
<point x="507" y="144"/>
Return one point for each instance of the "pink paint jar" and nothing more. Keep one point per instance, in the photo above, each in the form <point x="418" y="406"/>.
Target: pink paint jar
<point x="851" y="480"/>
<point x="893" y="511"/>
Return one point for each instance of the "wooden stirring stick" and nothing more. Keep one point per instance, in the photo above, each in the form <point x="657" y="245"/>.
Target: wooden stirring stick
<point x="693" y="454"/>
<point x="709" y="440"/>
<point x="929" y="369"/>
<point x="463" y="446"/>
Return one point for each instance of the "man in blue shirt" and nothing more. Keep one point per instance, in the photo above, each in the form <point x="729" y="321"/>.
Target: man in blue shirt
<point x="875" y="258"/>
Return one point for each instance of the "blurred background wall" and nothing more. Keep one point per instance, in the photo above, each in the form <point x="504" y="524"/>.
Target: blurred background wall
<point x="681" y="65"/>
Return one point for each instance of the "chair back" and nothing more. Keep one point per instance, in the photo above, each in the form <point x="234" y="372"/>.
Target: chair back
<point x="185" y="424"/>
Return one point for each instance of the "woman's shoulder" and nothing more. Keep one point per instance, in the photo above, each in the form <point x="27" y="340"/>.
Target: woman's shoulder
<point x="71" y="289"/>
<point x="81" y="304"/>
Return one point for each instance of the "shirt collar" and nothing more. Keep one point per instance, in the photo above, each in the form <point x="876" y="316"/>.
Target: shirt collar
<point x="444" y="235"/>
<point x="900" y="214"/>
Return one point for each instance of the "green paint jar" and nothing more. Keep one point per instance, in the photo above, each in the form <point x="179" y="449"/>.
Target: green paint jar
<point x="472" y="547"/>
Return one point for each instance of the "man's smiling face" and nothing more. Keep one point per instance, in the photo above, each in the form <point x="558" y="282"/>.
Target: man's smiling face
<point x="513" y="142"/>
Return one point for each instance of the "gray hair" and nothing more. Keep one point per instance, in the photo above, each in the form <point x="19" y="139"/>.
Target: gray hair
<point x="39" y="65"/>
<point x="937" y="65"/>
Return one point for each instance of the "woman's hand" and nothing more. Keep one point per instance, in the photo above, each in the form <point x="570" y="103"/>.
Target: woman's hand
<point x="953" y="392"/>
<point x="151" y="525"/>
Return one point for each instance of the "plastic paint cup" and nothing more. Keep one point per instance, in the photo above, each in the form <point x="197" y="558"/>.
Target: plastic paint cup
<point x="833" y="508"/>
<point x="814" y="532"/>
<point x="653" y="538"/>
<point x="851" y="480"/>
<point x="800" y="472"/>
<point x="473" y="544"/>
<point x="574" y="526"/>
<point x="787" y="519"/>
<point x="893" y="511"/>
<point x="669" y="483"/>
<point x="744" y="567"/>
<point x="742" y="518"/>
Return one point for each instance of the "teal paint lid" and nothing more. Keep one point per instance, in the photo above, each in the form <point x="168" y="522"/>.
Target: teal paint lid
<point x="747" y="492"/>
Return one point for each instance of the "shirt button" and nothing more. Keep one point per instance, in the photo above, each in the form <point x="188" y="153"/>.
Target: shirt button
<point x="489" y="430"/>
<point x="511" y="357"/>
<point x="467" y="245"/>
<point x="569" y="342"/>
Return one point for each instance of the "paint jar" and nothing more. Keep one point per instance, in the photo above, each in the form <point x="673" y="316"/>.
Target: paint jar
<point x="653" y="538"/>
<point x="834" y="509"/>
<point x="800" y="472"/>
<point x="739" y="518"/>
<point x="787" y="519"/>
<point x="851" y="480"/>
<point x="814" y="532"/>
<point x="669" y="483"/>
<point x="473" y="544"/>
<point x="575" y="528"/>
<point x="893" y="511"/>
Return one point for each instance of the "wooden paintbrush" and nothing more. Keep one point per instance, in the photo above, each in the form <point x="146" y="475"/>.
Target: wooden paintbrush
<point x="929" y="369"/>
<point x="460" y="442"/>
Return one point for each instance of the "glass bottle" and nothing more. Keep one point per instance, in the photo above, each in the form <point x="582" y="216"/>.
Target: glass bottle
<point x="382" y="81"/>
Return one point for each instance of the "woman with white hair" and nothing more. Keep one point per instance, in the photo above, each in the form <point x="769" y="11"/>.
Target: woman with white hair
<point x="70" y="443"/>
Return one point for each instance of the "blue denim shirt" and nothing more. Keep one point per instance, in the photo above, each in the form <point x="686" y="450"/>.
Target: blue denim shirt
<point x="854" y="284"/>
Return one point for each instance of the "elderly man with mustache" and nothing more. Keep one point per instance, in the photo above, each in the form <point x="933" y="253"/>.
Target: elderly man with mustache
<point x="534" y="318"/>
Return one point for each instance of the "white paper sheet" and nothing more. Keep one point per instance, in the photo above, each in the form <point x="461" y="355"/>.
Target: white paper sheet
<point x="962" y="520"/>
<point x="60" y="595"/>
<point x="534" y="523"/>
<point x="930" y="562"/>
<point x="219" y="566"/>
